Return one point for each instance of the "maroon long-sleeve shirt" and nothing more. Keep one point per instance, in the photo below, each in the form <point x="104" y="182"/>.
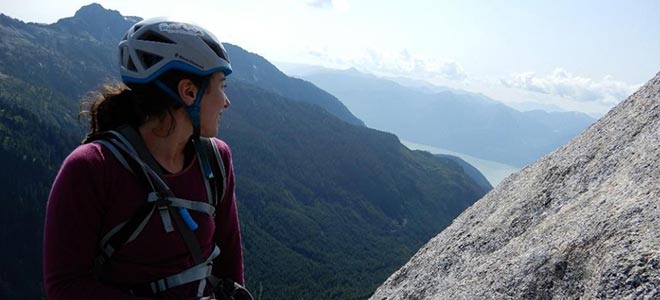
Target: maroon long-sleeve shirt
<point x="93" y="192"/>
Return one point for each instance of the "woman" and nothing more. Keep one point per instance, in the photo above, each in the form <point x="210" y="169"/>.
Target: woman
<point x="142" y="210"/>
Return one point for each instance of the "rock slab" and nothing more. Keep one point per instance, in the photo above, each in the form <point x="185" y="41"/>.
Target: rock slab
<point x="580" y="223"/>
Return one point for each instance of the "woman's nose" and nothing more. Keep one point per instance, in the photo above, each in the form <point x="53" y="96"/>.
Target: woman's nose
<point x="227" y="102"/>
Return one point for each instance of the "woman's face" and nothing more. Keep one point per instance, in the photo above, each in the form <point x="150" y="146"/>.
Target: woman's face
<point x="213" y="104"/>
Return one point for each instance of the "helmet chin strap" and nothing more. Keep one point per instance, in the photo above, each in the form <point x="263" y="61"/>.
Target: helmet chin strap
<point x="193" y="109"/>
<point x="194" y="115"/>
<point x="193" y="112"/>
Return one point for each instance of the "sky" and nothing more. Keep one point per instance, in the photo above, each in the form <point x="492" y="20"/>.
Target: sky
<point x="570" y="55"/>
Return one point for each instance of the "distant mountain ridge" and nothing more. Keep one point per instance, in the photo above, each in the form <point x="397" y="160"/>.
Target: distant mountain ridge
<point x="255" y="68"/>
<point x="328" y="207"/>
<point x="93" y="30"/>
<point x="459" y="121"/>
<point x="63" y="57"/>
<point x="101" y="24"/>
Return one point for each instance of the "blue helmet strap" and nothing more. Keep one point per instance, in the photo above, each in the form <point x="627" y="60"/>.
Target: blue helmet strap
<point x="193" y="110"/>
<point x="193" y="113"/>
<point x="169" y="91"/>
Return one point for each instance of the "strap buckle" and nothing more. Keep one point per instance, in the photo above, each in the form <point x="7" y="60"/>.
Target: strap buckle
<point x="160" y="198"/>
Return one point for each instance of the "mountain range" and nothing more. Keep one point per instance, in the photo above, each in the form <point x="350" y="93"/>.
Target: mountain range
<point x="452" y="119"/>
<point x="329" y="208"/>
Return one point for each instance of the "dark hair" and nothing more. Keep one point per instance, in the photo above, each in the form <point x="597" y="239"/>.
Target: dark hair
<point x="115" y="104"/>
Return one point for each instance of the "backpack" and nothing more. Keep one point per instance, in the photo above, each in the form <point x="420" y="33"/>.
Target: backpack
<point x="127" y="146"/>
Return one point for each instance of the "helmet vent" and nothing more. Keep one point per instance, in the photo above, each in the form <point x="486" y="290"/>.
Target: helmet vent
<point x="148" y="59"/>
<point x="131" y="66"/>
<point x="216" y="48"/>
<point x="153" y="36"/>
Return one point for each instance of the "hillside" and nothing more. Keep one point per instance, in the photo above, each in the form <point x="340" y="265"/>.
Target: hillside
<point x="30" y="154"/>
<point x="470" y="171"/>
<point x="581" y="223"/>
<point x="328" y="207"/>
<point x="331" y="201"/>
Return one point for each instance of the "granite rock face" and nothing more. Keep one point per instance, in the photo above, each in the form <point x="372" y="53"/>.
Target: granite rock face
<point x="580" y="223"/>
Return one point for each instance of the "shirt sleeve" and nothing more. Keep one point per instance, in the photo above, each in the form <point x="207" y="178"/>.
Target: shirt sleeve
<point x="227" y="233"/>
<point x="72" y="228"/>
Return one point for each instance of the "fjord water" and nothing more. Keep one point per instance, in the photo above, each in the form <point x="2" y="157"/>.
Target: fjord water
<point x="494" y="171"/>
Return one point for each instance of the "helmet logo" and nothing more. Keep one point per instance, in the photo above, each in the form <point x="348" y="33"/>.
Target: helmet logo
<point x="181" y="28"/>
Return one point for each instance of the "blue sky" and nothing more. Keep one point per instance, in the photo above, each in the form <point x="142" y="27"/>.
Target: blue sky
<point x="575" y="55"/>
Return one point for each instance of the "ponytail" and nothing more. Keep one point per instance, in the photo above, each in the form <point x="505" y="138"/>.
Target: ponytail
<point x="116" y="105"/>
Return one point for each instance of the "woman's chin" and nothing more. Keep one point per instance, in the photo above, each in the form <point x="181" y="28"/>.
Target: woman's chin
<point x="209" y="132"/>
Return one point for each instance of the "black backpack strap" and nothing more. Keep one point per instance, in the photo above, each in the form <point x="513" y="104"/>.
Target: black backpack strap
<point x="111" y="141"/>
<point x="121" y="235"/>
<point x="126" y="231"/>
<point x="127" y="146"/>
<point x="149" y="172"/>
<point x="133" y="138"/>
<point x="219" y="179"/>
<point x="130" y="150"/>
<point x="188" y="236"/>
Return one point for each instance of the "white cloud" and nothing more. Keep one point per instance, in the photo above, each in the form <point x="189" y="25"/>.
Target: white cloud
<point x="404" y="63"/>
<point x="329" y="60"/>
<point x="320" y="3"/>
<point x="564" y="84"/>
<point x="340" y="5"/>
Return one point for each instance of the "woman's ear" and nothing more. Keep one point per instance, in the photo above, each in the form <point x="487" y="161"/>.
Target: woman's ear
<point x="187" y="91"/>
